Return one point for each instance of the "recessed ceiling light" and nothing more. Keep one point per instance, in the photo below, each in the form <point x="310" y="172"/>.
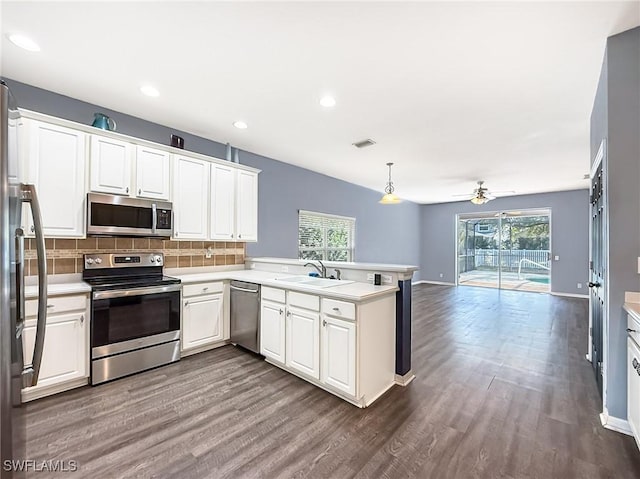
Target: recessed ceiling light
<point x="240" y="125"/>
<point x="24" y="42"/>
<point x="328" y="101"/>
<point x="149" y="90"/>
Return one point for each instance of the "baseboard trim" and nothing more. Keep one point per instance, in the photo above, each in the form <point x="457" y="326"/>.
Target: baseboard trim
<point x="441" y="283"/>
<point x="405" y="379"/>
<point x="570" y="295"/>
<point x="615" y="424"/>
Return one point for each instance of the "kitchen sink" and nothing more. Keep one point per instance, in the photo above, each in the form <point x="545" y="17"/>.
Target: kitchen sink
<point x="314" y="282"/>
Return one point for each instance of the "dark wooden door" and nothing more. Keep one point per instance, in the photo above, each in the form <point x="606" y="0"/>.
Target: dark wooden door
<point x="597" y="270"/>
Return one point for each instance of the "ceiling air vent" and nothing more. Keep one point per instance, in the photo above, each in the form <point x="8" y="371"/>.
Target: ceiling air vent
<point x="364" y="143"/>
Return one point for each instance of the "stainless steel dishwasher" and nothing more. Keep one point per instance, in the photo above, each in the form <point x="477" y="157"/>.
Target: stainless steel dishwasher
<point x="245" y="315"/>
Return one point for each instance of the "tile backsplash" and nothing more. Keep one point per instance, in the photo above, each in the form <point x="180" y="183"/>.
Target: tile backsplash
<point x="64" y="256"/>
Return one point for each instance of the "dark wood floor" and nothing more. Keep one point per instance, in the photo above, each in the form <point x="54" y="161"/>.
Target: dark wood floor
<point x="502" y="390"/>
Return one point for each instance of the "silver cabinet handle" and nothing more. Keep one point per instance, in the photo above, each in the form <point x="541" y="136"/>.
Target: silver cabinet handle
<point x="288" y="313"/>
<point x="631" y="330"/>
<point x="336" y="309"/>
<point x="82" y="319"/>
<point x="281" y="312"/>
<point x="239" y="236"/>
<point x="127" y="189"/>
<point x="324" y="322"/>
<point x="232" y="235"/>
<point x="205" y="288"/>
<point x="30" y="375"/>
<point x="186" y="304"/>
<point x="33" y="228"/>
<point x="139" y="191"/>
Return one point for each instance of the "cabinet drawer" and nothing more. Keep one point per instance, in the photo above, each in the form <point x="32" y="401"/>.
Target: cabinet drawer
<point x="197" y="289"/>
<point x="634" y="326"/>
<point x="57" y="304"/>
<point x="339" y="309"/>
<point x="305" y="301"/>
<point x="273" y="294"/>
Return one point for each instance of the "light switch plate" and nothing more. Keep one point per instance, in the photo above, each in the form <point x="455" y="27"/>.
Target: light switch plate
<point x="638" y="265"/>
<point x="387" y="279"/>
<point x="556" y="257"/>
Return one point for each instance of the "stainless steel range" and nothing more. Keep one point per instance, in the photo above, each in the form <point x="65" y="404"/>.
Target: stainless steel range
<point x="135" y="314"/>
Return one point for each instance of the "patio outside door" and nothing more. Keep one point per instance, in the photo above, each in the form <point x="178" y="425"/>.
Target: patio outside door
<point x="505" y="249"/>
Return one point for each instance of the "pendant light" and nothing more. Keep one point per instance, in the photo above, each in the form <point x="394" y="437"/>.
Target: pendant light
<point x="389" y="198"/>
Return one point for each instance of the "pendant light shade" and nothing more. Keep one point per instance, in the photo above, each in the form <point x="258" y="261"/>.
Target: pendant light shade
<point x="389" y="197"/>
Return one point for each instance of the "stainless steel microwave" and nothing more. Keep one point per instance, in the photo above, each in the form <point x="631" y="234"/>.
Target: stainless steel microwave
<point x="111" y="215"/>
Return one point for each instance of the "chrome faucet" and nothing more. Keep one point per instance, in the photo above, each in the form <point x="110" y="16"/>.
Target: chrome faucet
<point x="322" y="270"/>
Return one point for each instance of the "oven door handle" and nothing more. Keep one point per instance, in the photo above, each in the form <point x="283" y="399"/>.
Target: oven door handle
<point x="124" y="293"/>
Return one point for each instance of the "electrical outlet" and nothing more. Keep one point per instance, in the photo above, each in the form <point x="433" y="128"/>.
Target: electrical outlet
<point x="252" y="266"/>
<point x="387" y="278"/>
<point x="579" y="285"/>
<point x="370" y="277"/>
<point x="209" y="252"/>
<point x="441" y="275"/>
<point x="285" y="269"/>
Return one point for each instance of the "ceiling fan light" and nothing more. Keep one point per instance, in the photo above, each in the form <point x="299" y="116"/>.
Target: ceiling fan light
<point x="478" y="200"/>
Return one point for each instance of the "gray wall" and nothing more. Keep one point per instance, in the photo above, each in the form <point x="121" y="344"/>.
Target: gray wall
<point x="384" y="233"/>
<point x="569" y="236"/>
<point x="616" y="117"/>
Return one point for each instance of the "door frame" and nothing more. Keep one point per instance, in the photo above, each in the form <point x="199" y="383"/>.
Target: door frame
<point x="499" y="216"/>
<point x="601" y="158"/>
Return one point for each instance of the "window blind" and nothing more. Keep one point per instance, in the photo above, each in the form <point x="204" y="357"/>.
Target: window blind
<point x="325" y="237"/>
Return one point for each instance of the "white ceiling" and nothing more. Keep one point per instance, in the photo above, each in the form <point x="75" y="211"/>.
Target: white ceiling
<point x="452" y="92"/>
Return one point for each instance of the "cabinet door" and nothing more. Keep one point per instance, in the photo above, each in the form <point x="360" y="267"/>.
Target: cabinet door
<point x="339" y="354"/>
<point x="247" y="206"/>
<point x="303" y="341"/>
<point x="152" y="173"/>
<point x="272" y="331"/>
<point x="201" y="321"/>
<point x="110" y="165"/>
<point x="65" y="352"/>
<point x="56" y="168"/>
<point x="633" y="387"/>
<point x="222" y="202"/>
<point x="191" y="198"/>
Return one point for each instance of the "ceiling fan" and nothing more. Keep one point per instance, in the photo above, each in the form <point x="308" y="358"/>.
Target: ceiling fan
<point x="482" y="195"/>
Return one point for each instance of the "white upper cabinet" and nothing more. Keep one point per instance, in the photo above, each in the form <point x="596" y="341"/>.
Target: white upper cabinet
<point x="223" y="202"/>
<point x="247" y="206"/>
<point x="190" y="198"/>
<point x="110" y="165"/>
<point x="152" y="173"/>
<point x="56" y="166"/>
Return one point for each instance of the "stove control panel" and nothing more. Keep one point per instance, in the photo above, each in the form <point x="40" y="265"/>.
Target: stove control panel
<point x="122" y="260"/>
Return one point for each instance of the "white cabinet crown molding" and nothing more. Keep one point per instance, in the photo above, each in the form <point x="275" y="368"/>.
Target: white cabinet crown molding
<point x="122" y="137"/>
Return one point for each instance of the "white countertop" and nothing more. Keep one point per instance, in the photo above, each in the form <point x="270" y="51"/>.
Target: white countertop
<point x="633" y="309"/>
<point x="397" y="268"/>
<point x="354" y="291"/>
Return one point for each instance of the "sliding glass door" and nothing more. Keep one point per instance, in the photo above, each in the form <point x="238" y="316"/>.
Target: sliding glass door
<point x="505" y="249"/>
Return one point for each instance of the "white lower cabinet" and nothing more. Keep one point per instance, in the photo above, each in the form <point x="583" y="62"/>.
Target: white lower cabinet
<point x="203" y="316"/>
<point x="65" y="356"/>
<point x="303" y="341"/>
<point x="346" y="348"/>
<point x="633" y="388"/>
<point x="272" y="331"/>
<point x="338" y="338"/>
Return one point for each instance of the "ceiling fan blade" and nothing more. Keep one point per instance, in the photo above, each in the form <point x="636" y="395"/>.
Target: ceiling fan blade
<point x="468" y="195"/>
<point x="503" y="192"/>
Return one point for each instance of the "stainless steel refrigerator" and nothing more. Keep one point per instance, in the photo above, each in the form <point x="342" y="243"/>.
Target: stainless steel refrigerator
<point x="14" y="373"/>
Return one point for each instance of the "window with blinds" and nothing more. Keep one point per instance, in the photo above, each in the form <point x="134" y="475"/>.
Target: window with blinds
<point x="325" y="237"/>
